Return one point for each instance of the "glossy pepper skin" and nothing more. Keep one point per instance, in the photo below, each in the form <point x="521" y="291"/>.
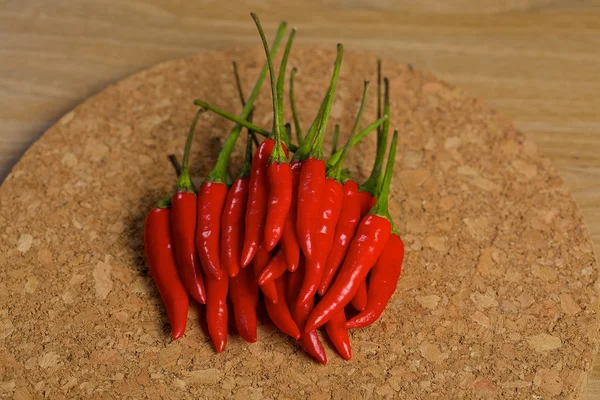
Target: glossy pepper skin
<point x="244" y="298"/>
<point x="367" y="245"/>
<point x="260" y="261"/>
<point x="310" y="190"/>
<point x="280" y="313"/>
<point x="366" y="202"/>
<point x="323" y="235"/>
<point x="233" y="218"/>
<point x="256" y="210"/>
<point x="232" y="226"/>
<point x="359" y="301"/>
<point x="338" y="334"/>
<point x="289" y="241"/>
<point x="274" y="269"/>
<point x="383" y="283"/>
<point x="183" y="225"/>
<point x="158" y="245"/>
<point x="211" y="201"/>
<point x="344" y="232"/>
<point x="309" y="340"/>
<point x="279" y="201"/>
<point x="279" y="172"/>
<point x="216" y="310"/>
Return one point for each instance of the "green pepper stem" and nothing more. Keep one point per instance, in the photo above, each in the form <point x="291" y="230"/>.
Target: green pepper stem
<point x="374" y="181"/>
<point x="239" y="121"/>
<point x="184" y="182"/>
<point x="244" y="123"/>
<point x="316" y="148"/>
<point x="175" y="163"/>
<point x="277" y="155"/>
<point x="238" y="83"/>
<point x="245" y="171"/>
<point x="164" y="203"/>
<point x="304" y="149"/>
<point x="219" y="172"/>
<point x="378" y="95"/>
<point x="336" y="138"/>
<point x="293" y="106"/>
<point x="336" y="171"/>
<point x="357" y="139"/>
<point x="177" y="167"/>
<point x="381" y="206"/>
<point x="280" y="83"/>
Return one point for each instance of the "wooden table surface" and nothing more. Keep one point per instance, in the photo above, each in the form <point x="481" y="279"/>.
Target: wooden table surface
<point x="535" y="61"/>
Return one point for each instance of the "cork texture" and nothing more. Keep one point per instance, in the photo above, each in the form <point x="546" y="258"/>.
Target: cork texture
<point x="498" y="296"/>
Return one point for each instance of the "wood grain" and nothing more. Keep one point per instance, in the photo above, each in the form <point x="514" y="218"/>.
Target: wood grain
<point x="535" y="61"/>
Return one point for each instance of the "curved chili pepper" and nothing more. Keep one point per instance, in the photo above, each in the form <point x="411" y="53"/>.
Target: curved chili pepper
<point x="232" y="221"/>
<point x="383" y="282"/>
<point x="211" y="200"/>
<point x="279" y="172"/>
<point x="183" y="226"/>
<point x="158" y="245"/>
<point x="280" y="313"/>
<point x="366" y="247"/>
<point x="300" y="311"/>
<point x="256" y="210"/>
<point x="359" y="301"/>
<point x="244" y="298"/>
<point x="312" y="175"/>
<point x="368" y="190"/>
<point x="260" y="261"/>
<point x="329" y="212"/>
<point x="324" y="228"/>
<point x="216" y="310"/>
<point x="289" y="241"/>
<point x="338" y="334"/>
<point x="344" y="232"/>
<point x="274" y="269"/>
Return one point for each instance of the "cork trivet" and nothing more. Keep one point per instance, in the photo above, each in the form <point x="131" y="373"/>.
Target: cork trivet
<point x="498" y="296"/>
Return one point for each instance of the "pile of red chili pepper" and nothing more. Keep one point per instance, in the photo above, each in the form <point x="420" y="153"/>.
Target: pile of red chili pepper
<point x="301" y="236"/>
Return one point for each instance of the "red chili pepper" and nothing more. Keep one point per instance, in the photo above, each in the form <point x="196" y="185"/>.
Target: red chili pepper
<point x="279" y="172"/>
<point x="329" y="212"/>
<point x="214" y="189"/>
<point x="344" y="232"/>
<point x="211" y="201"/>
<point x="312" y="175"/>
<point x="366" y="247"/>
<point x="338" y="334"/>
<point x="274" y="269"/>
<point x="383" y="282"/>
<point x="280" y="313"/>
<point x="359" y="301"/>
<point x="260" y="261"/>
<point x="233" y="218"/>
<point x="244" y="298"/>
<point x="256" y="212"/>
<point x="158" y="245"/>
<point x="309" y="340"/>
<point x="216" y="310"/>
<point x="289" y="241"/>
<point x="366" y="202"/>
<point x="368" y="190"/>
<point x="183" y="226"/>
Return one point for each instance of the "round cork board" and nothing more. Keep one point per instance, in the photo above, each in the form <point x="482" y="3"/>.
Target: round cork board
<point x="498" y="296"/>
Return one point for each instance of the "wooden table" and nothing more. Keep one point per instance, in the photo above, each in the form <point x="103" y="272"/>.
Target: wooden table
<point x="537" y="62"/>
